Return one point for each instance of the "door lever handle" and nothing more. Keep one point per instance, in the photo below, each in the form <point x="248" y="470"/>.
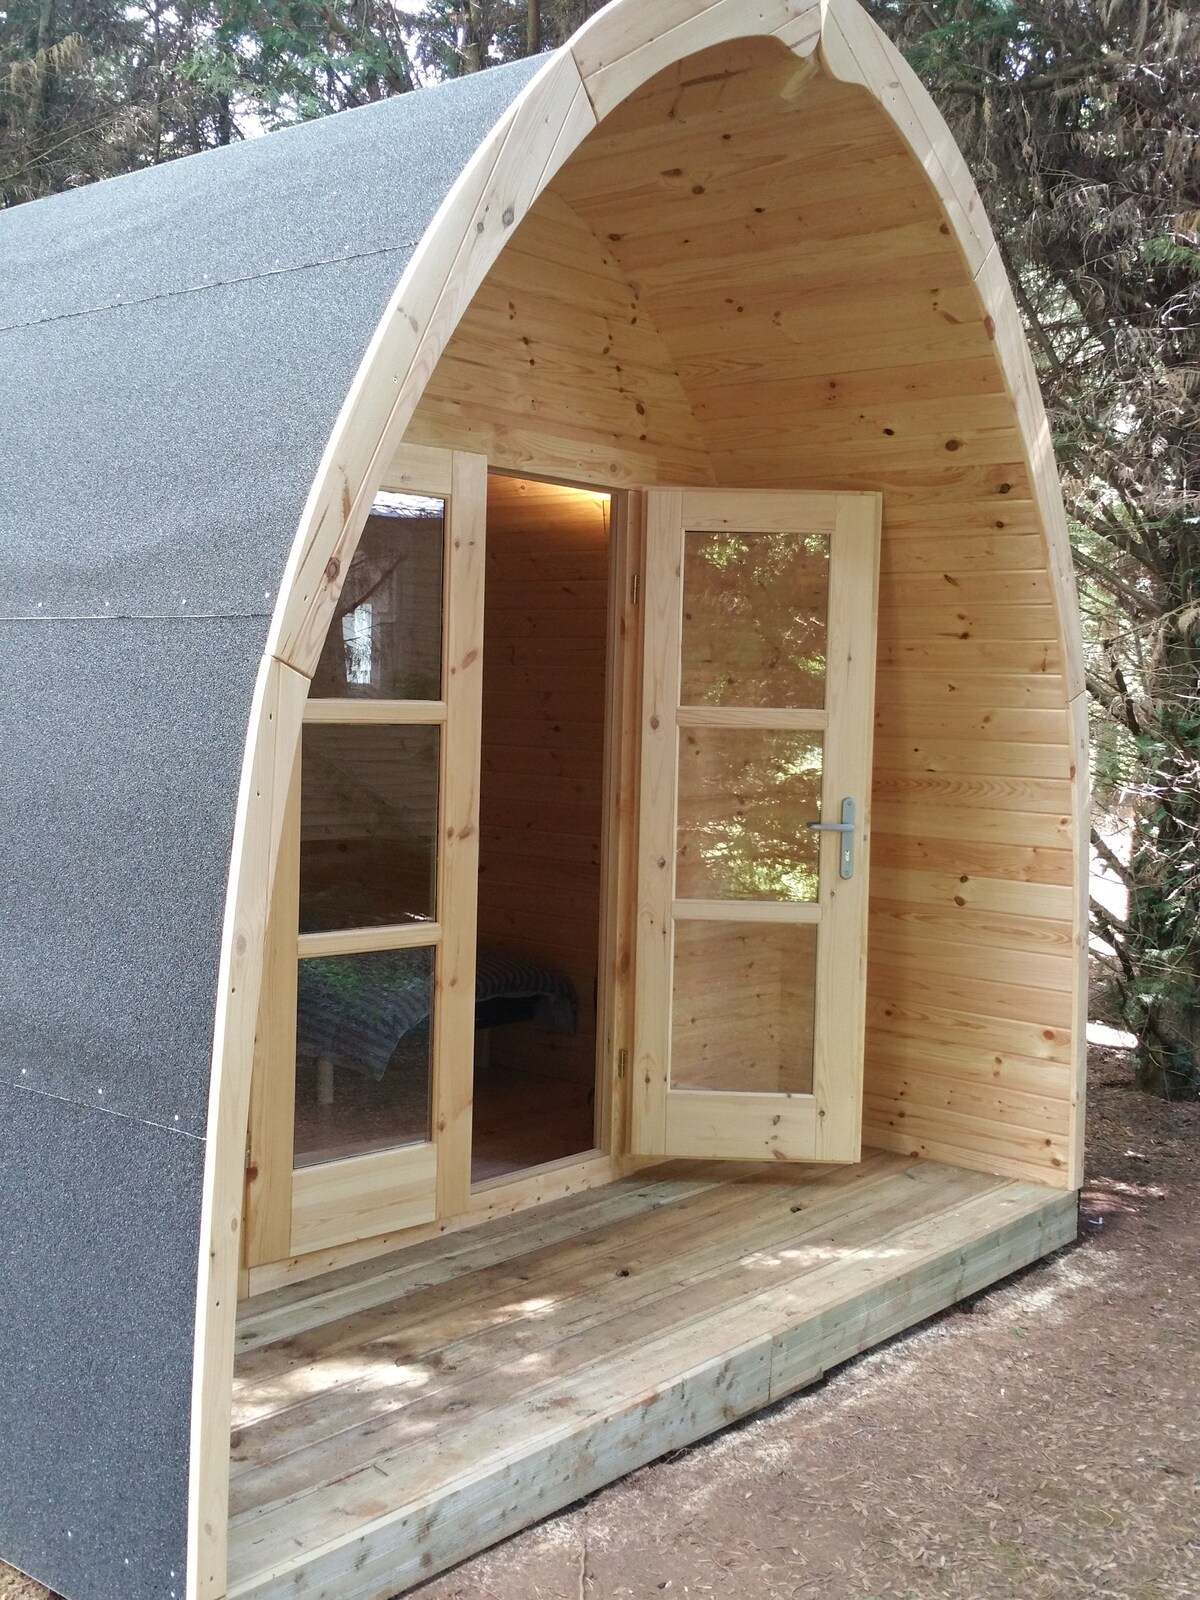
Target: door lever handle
<point x="847" y="828"/>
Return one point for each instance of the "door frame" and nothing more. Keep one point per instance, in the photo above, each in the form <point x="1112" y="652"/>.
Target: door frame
<point x="292" y="1211"/>
<point x="291" y="1215"/>
<point x="823" y="1124"/>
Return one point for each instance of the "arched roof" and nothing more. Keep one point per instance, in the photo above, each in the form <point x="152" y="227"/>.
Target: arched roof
<point x="175" y="346"/>
<point x="178" y="343"/>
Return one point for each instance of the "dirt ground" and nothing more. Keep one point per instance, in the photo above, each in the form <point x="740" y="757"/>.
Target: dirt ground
<point x="1042" y="1441"/>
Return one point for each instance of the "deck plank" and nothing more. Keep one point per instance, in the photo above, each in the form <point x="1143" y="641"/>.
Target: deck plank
<point x="495" y="1281"/>
<point x="650" y="1338"/>
<point x="296" y="1308"/>
<point x="460" y="1362"/>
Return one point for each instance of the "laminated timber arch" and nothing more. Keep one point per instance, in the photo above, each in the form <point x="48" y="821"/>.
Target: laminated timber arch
<point x="592" y="103"/>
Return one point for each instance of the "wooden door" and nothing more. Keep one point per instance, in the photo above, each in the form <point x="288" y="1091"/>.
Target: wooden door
<point x="756" y="724"/>
<point x="361" y="1100"/>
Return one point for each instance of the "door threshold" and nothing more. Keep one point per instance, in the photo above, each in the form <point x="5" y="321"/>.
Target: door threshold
<point x="548" y="1180"/>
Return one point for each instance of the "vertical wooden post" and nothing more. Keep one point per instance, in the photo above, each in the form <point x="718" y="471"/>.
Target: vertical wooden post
<point x="273" y="1083"/>
<point x="458" y="868"/>
<point x="656" y="821"/>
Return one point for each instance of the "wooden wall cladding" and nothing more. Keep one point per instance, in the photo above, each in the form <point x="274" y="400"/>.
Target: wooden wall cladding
<point x="542" y="785"/>
<point x="557" y="369"/>
<point x="776" y="268"/>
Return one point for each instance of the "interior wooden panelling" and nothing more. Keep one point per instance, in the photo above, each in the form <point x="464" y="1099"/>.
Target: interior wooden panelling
<point x="743" y="280"/>
<point x="368" y="824"/>
<point x="557" y="370"/>
<point x="742" y="1007"/>
<point x="542" y="789"/>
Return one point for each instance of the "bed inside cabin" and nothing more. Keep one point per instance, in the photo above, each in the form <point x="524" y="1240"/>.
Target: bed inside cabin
<point x="369" y="808"/>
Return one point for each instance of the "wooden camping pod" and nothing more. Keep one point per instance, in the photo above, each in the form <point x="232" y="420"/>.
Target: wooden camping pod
<point x="736" y="245"/>
<point x="611" y="202"/>
<point x="713" y="258"/>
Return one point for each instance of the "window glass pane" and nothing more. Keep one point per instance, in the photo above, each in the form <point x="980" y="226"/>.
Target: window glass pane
<point x="754" y="619"/>
<point x="385" y="642"/>
<point x="743" y="1003"/>
<point x="368" y="825"/>
<point x="745" y="795"/>
<point x="362" y="1053"/>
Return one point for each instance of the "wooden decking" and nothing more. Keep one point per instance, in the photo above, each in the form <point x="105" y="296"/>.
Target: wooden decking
<point x="393" y="1418"/>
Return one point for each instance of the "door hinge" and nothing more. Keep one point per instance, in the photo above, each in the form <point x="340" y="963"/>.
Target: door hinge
<point x="634" y="588"/>
<point x="622" y="1063"/>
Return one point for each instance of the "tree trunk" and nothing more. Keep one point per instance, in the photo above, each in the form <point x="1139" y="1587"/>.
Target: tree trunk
<point x="45" y="64"/>
<point x="533" y="27"/>
<point x="472" y="52"/>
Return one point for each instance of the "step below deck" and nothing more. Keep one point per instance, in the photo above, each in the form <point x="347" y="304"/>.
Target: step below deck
<point x="395" y="1417"/>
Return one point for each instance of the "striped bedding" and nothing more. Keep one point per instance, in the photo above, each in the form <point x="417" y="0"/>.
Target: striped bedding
<point x="355" y="1010"/>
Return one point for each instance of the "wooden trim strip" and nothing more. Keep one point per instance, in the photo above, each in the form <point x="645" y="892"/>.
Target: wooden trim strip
<point x="268" y="1226"/>
<point x="272" y="739"/>
<point x="703" y="1124"/>
<point x="418" y="469"/>
<point x="662" y="624"/>
<point x="362" y="941"/>
<point x="746" y="911"/>
<point x="458" y="856"/>
<point x="1081" y="815"/>
<point x="757" y="511"/>
<point x="402" y="712"/>
<point x="337" y="1202"/>
<point x="751" y="717"/>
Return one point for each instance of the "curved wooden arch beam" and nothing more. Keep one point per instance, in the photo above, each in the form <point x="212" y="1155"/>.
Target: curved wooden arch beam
<point x="609" y="59"/>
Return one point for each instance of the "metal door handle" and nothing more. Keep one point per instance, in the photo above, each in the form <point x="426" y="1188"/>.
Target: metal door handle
<point x="846" y="827"/>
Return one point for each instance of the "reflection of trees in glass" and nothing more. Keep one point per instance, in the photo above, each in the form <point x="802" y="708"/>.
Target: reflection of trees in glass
<point x="744" y="798"/>
<point x="357" y="636"/>
<point x="755" y="619"/>
<point x="386" y="640"/>
<point x="375" y="985"/>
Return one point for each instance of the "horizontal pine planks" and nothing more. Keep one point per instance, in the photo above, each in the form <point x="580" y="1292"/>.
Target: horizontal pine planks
<point x="856" y="352"/>
<point x="744" y="275"/>
<point x="556" y="368"/>
<point x="403" y="1414"/>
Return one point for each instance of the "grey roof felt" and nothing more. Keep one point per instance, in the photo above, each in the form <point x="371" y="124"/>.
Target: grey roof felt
<point x="122" y="746"/>
<point x="95" y="1346"/>
<point x="174" y="349"/>
<point x="175" y="346"/>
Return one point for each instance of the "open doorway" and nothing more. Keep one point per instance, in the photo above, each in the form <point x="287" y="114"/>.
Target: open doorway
<point x="542" y="788"/>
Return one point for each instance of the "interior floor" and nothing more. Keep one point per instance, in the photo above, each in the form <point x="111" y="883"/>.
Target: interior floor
<point x="394" y="1417"/>
<point x="521" y="1120"/>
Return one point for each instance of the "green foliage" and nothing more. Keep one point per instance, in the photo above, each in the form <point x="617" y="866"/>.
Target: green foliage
<point x="90" y="88"/>
<point x="1079" y="122"/>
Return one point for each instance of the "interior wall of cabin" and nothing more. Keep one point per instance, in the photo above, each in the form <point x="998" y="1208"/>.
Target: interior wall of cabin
<point x="743" y="277"/>
<point x="546" y="596"/>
